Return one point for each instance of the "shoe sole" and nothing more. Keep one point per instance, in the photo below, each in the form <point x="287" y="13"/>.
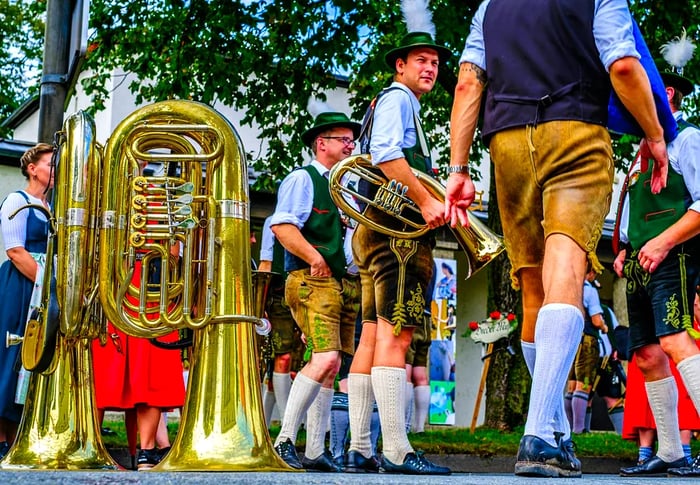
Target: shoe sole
<point x="530" y="469"/>
<point x="143" y="468"/>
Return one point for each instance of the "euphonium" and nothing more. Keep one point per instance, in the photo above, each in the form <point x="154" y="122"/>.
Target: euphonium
<point x="201" y="204"/>
<point x="59" y="429"/>
<point x="478" y="242"/>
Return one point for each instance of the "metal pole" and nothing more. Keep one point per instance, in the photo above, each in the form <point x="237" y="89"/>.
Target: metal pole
<point x="53" y="80"/>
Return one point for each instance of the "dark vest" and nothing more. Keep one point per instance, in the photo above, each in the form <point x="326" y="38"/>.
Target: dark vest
<point x="542" y="66"/>
<point x="323" y="230"/>
<point x="650" y="215"/>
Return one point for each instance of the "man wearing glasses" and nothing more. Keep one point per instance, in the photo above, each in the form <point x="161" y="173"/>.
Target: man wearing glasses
<point x="321" y="292"/>
<point x="395" y="272"/>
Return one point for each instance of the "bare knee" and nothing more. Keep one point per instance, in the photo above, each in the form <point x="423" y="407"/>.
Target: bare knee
<point x="283" y="363"/>
<point x="678" y="346"/>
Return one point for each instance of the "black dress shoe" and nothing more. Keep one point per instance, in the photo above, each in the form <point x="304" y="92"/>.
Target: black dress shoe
<point x="414" y="464"/>
<point x="537" y="458"/>
<point x="653" y="466"/>
<point x="355" y="462"/>
<point x="569" y="448"/>
<point x="4" y="448"/>
<point x="324" y="463"/>
<point x="288" y="453"/>
<point x="692" y="470"/>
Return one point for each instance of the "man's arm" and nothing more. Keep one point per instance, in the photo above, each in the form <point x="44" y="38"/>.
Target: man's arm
<point x="631" y="83"/>
<point x="431" y="209"/>
<point x="459" y="193"/>
<point x="293" y="241"/>
<point x="656" y="249"/>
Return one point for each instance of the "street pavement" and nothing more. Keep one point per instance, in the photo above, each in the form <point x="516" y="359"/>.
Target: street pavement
<point x="305" y="478"/>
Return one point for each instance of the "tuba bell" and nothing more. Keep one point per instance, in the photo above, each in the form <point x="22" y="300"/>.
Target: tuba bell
<point x="201" y="204"/>
<point x="59" y="428"/>
<point x="365" y="195"/>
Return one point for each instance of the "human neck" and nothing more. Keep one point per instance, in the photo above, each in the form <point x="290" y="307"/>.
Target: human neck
<point x="36" y="191"/>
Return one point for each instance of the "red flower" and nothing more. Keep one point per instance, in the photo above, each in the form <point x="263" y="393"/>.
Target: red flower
<point x="495" y="315"/>
<point x="473" y="326"/>
<point x="510" y="317"/>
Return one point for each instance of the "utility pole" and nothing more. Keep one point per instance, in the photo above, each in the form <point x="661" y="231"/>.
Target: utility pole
<point x="55" y="74"/>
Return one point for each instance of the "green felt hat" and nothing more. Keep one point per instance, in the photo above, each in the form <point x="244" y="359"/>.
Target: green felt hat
<point x="683" y="84"/>
<point x="326" y="121"/>
<point x="412" y="41"/>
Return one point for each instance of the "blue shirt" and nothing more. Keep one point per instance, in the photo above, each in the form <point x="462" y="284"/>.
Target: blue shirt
<point x="591" y="300"/>
<point x="394" y="128"/>
<point x="612" y="31"/>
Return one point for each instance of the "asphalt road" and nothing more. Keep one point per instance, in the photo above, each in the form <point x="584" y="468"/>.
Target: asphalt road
<point x="195" y="478"/>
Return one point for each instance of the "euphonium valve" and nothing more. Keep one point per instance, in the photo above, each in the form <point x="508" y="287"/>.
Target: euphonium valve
<point x="363" y="193"/>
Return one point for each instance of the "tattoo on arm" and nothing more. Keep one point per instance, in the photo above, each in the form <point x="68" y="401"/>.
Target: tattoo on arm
<point x="478" y="72"/>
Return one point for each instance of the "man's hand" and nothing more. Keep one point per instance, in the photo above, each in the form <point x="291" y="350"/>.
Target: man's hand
<point x="459" y="195"/>
<point x="320" y="268"/>
<point x="654" y="252"/>
<point x="619" y="263"/>
<point x="433" y="212"/>
<point x="656" y="150"/>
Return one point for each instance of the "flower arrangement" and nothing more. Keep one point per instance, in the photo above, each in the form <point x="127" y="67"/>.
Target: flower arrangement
<point x="497" y="325"/>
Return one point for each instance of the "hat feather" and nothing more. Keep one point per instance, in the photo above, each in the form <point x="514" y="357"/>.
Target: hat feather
<point x="678" y="51"/>
<point x="315" y="107"/>
<point x="417" y="16"/>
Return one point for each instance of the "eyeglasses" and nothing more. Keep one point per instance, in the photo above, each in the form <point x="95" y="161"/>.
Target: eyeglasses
<point x="346" y="140"/>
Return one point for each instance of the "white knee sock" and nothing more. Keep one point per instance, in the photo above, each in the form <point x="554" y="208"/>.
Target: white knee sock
<point x="268" y="399"/>
<point x="663" y="401"/>
<point x="408" y="415"/>
<point x="317" y="423"/>
<point x="281" y="384"/>
<point x="302" y="394"/>
<point x="689" y="369"/>
<point x="389" y="385"/>
<point x="561" y="423"/>
<point x="360" y="407"/>
<point x="422" y="403"/>
<point x="557" y="335"/>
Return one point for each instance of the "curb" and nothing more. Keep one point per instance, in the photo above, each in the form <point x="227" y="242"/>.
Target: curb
<point x="461" y="463"/>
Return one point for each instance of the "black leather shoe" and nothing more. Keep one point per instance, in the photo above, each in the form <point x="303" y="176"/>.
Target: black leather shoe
<point x="414" y="464"/>
<point x="692" y="470"/>
<point x="288" y="453"/>
<point x="4" y="448"/>
<point x="569" y="448"/>
<point x="537" y="458"/>
<point x="653" y="466"/>
<point x="355" y="462"/>
<point x="323" y="463"/>
<point x="147" y="459"/>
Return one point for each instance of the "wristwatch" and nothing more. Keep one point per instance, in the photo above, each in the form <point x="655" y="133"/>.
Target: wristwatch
<point x="458" y="169"/>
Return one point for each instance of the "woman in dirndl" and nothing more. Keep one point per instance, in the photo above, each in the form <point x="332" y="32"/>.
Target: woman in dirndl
<point x="24" y="233"/>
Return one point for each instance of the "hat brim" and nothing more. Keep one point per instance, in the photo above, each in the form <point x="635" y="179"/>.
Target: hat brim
<point x="683" y="84"/>
<point x="310" y="135"/>
<point x="390" y="57"/>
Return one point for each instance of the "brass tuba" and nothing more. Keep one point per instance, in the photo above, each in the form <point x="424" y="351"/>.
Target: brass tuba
<point x="386" y="197"/>
<point x="59" y="429"/>
<point x="200" y="204"/>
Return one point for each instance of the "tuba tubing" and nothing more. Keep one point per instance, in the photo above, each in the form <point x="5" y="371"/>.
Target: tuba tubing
<point x="479" y="243"/>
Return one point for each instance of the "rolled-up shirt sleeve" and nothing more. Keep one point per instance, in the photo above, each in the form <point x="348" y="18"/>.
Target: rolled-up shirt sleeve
<point x="474" y="51"/>
<point x="612" y="31"/>
<point x="294" y="200"/>
<point x="393" y="127"/>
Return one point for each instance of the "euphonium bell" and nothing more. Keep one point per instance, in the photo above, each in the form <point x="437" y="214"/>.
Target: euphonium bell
<point x="59" y="428"/>
<point x="383" y="197"/>
<point x="201" y="204"/>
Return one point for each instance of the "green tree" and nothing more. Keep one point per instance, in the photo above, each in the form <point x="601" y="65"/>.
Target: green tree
<point x="21" y="45"/>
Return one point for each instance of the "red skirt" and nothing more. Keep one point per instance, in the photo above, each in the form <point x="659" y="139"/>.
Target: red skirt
<point x="637" y="411"/>
<point x="131" y="371"/>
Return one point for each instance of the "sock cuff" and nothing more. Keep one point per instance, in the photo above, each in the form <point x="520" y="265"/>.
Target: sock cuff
<point x="688" y="362"/>
<point x="580" y="395"/>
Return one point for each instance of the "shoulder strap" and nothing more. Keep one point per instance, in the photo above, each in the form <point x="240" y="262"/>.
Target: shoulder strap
<point x="368" y="120"/>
